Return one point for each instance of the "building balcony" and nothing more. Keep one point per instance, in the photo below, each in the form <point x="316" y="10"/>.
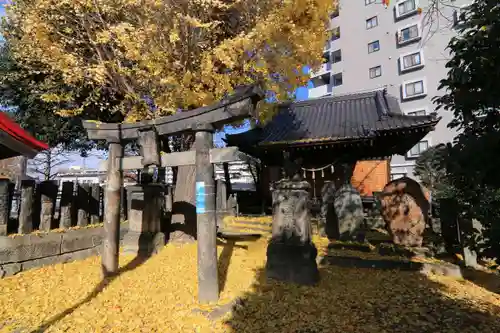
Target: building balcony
<point x="320" y="91"/>
<point x="333" y="23"/>
<point x="332" y="44"/>
<point x="323" y="69"/>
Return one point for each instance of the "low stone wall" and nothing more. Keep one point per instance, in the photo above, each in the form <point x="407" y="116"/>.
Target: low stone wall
<point x="24" y="252"/>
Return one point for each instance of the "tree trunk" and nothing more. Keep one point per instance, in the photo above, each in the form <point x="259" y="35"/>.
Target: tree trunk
<point x="48" y="165"/>
<point x="183" y="227"/>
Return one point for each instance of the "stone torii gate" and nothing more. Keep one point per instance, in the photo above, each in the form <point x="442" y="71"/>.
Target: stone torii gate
<point x="202" y="122"/>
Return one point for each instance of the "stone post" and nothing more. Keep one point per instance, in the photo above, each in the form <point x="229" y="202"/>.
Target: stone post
<point x="124" y="202"/>
<point x="27" y="205"/>
<point x="162" y="175"/>
<point x="66" y="206"/>
<point x="221" y="201"/>
<point x="450" y="231"/>
<point x="4" y="206"/>
<point x="82" y="194"/>
<point x="227" y="178"/>
<point x="291" y="255"/>
<point x="469" y="230"/>
<point x="95" y="198"/>
<point x="112" y="204"/>
<point x="169" y="200"/>
<point x="208" y="287"/>
<point x="144" y="236"/>
<point x="48" y="192"/>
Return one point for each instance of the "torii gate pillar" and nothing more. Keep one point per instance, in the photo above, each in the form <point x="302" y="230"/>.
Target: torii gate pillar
<point x="112" y="204"/>
<point x="206" y="220"/>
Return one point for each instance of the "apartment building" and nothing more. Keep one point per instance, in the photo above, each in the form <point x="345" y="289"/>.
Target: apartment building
<point x="399" y="45"/>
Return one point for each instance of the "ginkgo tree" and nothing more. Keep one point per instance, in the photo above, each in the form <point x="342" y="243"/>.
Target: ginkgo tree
<point x="119" y="56"/>
<point x="128" y="60"/>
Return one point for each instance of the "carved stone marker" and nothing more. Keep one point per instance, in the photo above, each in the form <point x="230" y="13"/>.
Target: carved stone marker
<point x="327" y="214"/>
<point x="405" y="211"/>
<point x="144" y="236"/>
<point x="291" y="255"/>
<point x="348" y="212"/>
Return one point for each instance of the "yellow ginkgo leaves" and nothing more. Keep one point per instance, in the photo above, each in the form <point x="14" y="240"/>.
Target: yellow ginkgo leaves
<point x="159" y="295"/>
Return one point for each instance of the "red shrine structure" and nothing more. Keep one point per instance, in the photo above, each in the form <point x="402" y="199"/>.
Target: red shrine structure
<point x="15" y="141"/>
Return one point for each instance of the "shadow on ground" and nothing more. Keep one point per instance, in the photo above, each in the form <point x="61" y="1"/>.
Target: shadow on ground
<point x="488" y="280"/>
<point x="229" y="243"/>
<point x="136" y="262"/>
<point x="359" y="301"/>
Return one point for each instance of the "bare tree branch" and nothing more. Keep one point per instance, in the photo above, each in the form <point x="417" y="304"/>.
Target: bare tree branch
<point x="47" y="163"/>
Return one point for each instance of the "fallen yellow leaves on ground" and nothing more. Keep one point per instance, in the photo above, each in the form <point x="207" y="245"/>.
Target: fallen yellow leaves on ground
<point x="159" y="295"/>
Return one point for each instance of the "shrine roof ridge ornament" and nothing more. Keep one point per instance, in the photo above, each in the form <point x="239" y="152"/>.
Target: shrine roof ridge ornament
<point x="236" y="106"/>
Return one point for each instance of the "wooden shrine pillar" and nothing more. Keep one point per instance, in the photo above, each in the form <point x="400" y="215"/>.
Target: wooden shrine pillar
<point x="227" y="178"/>
<point x="112" y="204"/>
<point x="206" y="221"/>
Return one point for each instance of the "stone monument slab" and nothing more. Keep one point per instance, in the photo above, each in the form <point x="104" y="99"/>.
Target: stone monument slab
<point x="348" y="213"/>
<point x="291" y="255"/>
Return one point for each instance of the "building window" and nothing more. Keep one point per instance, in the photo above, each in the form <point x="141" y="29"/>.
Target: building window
<point x="336" y="56"/>
<point x="411" y="60"/>
<point x="369" y="2"/>
<point x="373" y="46"/>
<point x="336" y="33"/>
<point x="398" y="175"/>
<point x="372" y="22"/>
<point x="418" y="149"/>
<point x="406" y="7"/>
<point x="326" y="58"/>
<point x="413" y="89"/>
<point x="337" y="79"/>
<point x="409" y="34"/>
<point x="375" y="72"/>
<point x="417" y="113"/>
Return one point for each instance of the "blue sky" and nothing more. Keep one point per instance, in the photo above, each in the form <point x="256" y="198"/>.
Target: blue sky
<point x="96" y="157"/>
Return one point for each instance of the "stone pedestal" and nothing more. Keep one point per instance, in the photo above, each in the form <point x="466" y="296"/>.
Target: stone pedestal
<point x="144" y="236"/>
<point x="291" y="255"/>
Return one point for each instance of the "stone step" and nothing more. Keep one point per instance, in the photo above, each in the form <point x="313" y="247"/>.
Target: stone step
<point x="256" y="223"/>
<point x="232" y="234"/>
<point x="445" y="269"/>
<point x="230" y="228"/>
<point x="248" y="227"/>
